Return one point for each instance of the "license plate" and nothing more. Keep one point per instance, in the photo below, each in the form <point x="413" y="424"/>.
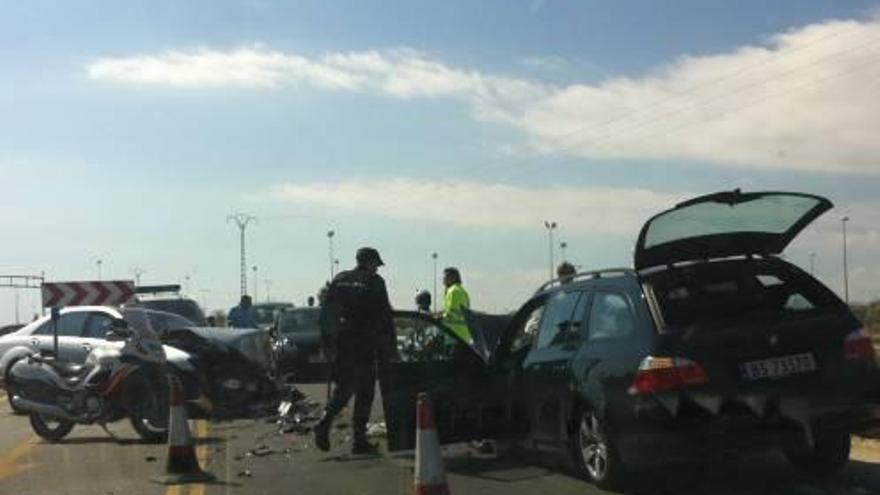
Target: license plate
<point x="780" y="367"/>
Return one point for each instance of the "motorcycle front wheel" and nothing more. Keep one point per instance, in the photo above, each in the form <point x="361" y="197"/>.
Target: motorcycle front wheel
<point x="49" y="428"/>
<point x="149" y="417"/>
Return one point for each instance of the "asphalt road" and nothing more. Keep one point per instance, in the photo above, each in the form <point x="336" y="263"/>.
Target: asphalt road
<point x="251" y="457"/>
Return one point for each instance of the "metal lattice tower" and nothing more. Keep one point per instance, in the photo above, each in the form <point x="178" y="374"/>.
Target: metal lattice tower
<point x="242" y="220"/>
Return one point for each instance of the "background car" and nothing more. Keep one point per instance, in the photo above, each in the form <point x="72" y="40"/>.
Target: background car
<point x="713" y="343"/>
<point x="297" y="344"/>
<point x="266" y="313"/>
<point x="167" y="298"/>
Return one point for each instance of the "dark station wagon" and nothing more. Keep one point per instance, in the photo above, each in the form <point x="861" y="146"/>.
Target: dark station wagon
<point x="713" y="342"/>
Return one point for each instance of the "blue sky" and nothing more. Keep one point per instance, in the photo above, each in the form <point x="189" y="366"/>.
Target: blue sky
<point x="130" y="130"/>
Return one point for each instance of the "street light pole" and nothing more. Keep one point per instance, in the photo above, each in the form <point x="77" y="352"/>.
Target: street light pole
<point x="330" y="234"/>
<point x="550" y="226"/>
<point x="268" y="289"/>
<point x="137" y="275"/>
<point x="843" y="222"/>
<point x="562" y="246"/>
<point x="99" y="263"/>
<point x="436" y="296"/>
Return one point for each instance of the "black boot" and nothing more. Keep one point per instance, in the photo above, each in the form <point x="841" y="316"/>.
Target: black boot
<point x="362" y="446"/>
<point x="322" y="432"/>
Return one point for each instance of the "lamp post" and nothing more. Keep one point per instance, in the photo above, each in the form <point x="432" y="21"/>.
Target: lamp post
<point x="550" y="226"/>
<point x="843" y="222"/>
<point x="268" y="289"/>
<point x="562" y="246"/>
<point x="330" y="234"/>
<point x="434" y="257"/>
<point x="137" y="275"/>
<point x="99" y="263"/>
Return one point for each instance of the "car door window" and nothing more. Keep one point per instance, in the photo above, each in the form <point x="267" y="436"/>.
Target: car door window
<point x="97" y="325"/>
<point x="610" y="317"/>
<point x="420" y="340"/>
<point x="557" y="319"/>
<point x="69" y="325"/>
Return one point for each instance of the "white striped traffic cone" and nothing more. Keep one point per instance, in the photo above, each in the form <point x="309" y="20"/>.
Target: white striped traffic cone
<point x="430" y="475"/>
<point x="182" y="465"/>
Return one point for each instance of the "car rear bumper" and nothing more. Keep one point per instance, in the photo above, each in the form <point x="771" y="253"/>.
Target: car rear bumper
<point x="660" y="435"/>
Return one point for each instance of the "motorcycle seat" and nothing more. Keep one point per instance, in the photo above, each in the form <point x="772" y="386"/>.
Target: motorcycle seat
<point x="67" y="369"/>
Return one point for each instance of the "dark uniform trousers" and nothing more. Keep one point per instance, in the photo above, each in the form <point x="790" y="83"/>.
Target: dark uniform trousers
<point x="354" y="374"/>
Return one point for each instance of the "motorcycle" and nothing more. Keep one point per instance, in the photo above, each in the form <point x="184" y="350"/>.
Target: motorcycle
<point x="114" y="383"/>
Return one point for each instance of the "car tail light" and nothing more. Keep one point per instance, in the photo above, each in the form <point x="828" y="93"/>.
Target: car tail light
<point x="858" y="346"/>
<point x="660" y="374"/>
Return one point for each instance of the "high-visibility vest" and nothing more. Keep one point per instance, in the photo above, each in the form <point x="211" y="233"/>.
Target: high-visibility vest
<point x="454" y="300"/>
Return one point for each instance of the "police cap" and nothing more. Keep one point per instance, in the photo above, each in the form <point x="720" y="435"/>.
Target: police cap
<point x="367" y="255"/>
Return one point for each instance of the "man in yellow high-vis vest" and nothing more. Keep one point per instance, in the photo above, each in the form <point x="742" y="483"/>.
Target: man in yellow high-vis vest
<point x="454" y="300"/>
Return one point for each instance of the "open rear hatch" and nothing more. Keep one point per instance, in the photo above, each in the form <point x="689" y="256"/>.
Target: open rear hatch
<point x="766" y="336"/>
<point x="726" y="224"/>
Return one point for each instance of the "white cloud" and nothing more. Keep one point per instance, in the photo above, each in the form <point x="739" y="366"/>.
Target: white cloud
<point x="805" y="100"/>
<point x="397" y="73"/>
<point x="244" y="67"/>
<point x="592" y="210"/>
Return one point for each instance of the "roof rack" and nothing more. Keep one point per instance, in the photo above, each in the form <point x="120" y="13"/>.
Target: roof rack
<point x="590" y="275"/>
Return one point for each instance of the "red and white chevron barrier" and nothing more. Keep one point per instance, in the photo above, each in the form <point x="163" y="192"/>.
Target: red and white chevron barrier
<point x="98" y="293"/>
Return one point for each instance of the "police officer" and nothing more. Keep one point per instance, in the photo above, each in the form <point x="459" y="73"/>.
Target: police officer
<point x="356" y="323"/>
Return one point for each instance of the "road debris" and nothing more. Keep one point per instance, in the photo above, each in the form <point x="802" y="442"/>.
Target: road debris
<point x="297" y="414"/>
<point x="377" y="430"/>
<point x="261" y="451"/>
<point x="245" y="474"/>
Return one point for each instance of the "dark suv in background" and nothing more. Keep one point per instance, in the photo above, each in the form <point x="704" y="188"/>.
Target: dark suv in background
<point x="297" y="344"/>
<point x="712" y="343"/>
<point x="168" y="298"/>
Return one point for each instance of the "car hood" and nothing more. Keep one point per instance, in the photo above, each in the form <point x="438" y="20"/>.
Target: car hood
<point x="250" y="343"/>
<point x="726" y="224"/>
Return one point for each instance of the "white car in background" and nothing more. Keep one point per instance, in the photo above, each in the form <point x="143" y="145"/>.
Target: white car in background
<point x="81" y="329"/>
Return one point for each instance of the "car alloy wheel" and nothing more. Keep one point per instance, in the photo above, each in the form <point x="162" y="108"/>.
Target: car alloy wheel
<point x="594" y="450"/>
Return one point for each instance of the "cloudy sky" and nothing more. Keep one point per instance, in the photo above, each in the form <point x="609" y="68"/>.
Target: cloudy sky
<point x="130" y="130"/>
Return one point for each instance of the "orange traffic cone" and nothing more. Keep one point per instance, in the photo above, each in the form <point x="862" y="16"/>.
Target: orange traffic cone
<point x="430" y="475"/>
<point x="181" y="466"/>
